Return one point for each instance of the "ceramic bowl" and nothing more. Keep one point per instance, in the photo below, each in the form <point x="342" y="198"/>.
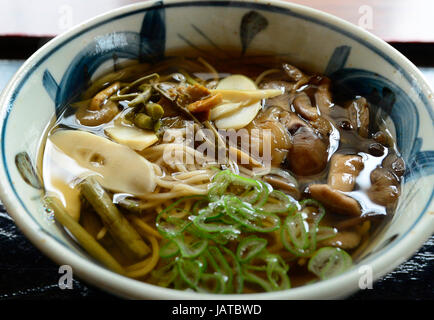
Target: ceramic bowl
<point x="354" y="59"/>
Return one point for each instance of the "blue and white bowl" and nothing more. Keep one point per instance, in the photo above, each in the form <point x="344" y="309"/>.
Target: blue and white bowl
<point x="356" y="60"/>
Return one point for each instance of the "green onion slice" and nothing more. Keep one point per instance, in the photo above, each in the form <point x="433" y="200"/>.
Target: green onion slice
<point x="279" y="202"/>
<point x="277" y="272"/>
<point x="190" y="271"/>
<point x="208" y="213"/>
<point x="252" y="277"/>
<point x="296" y="240"/>
<point x="168" y="221"/>
<point x="238" y="280"/>
<point x="278" y="276"/>
<point x="328" y="262"/>
<point x="297" y="235"/>
<point x="249" y="217"/>
<point x="212" y="283"/>
<point x="220" y="265"/>
<point x="271" y="266"/>
<point x="250" y="247"/>
<point x="297" y="229"/>
<point x="169" y="249"/>
<point x="253" y="190"/>
<point x="324" y="233"/>
<point x="193" y="249"/>
<point x="313" y="203"/>
<point x="165" y="275"/>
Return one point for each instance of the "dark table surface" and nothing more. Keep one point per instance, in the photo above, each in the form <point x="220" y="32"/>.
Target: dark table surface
<point x="25" y="273"/>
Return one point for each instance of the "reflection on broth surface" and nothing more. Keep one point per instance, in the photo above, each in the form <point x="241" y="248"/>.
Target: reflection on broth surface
<point x="234" y="176"/>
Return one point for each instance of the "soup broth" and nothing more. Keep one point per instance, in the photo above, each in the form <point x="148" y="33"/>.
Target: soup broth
<point x="222" y="176"/>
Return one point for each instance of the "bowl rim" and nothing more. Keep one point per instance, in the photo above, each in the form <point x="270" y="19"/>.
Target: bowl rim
<point x="89" y="270"/>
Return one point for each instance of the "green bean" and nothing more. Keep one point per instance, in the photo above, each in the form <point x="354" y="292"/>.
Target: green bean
<point x="143" y="121"/>
<point x="141" y="98"/>
<point x="188" y="78"/>
<point x="139" y="81"/>
<point x="126" y="73"/>
<point x="128" y="115"/>
<point x="83" y="237"/>
<point x="127" y="96"/>
<point x="157" y="125"/>
<point x="144" y="86"/>
<point x="132" y="205"/>
<point x="171" y="96"/>
<point x="124" y="234"/>
<point x="154" y="110"/>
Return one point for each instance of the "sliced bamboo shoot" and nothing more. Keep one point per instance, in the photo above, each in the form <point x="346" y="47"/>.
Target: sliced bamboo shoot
<point x="241" y="102"/>
<point x="132" y="137"/>
<point x="247" y="96"/>
<point x="240" y="118"/>
<point x="117" y="167"/>
<point x="224" y="109"/>
<point x="237" y="82"/>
